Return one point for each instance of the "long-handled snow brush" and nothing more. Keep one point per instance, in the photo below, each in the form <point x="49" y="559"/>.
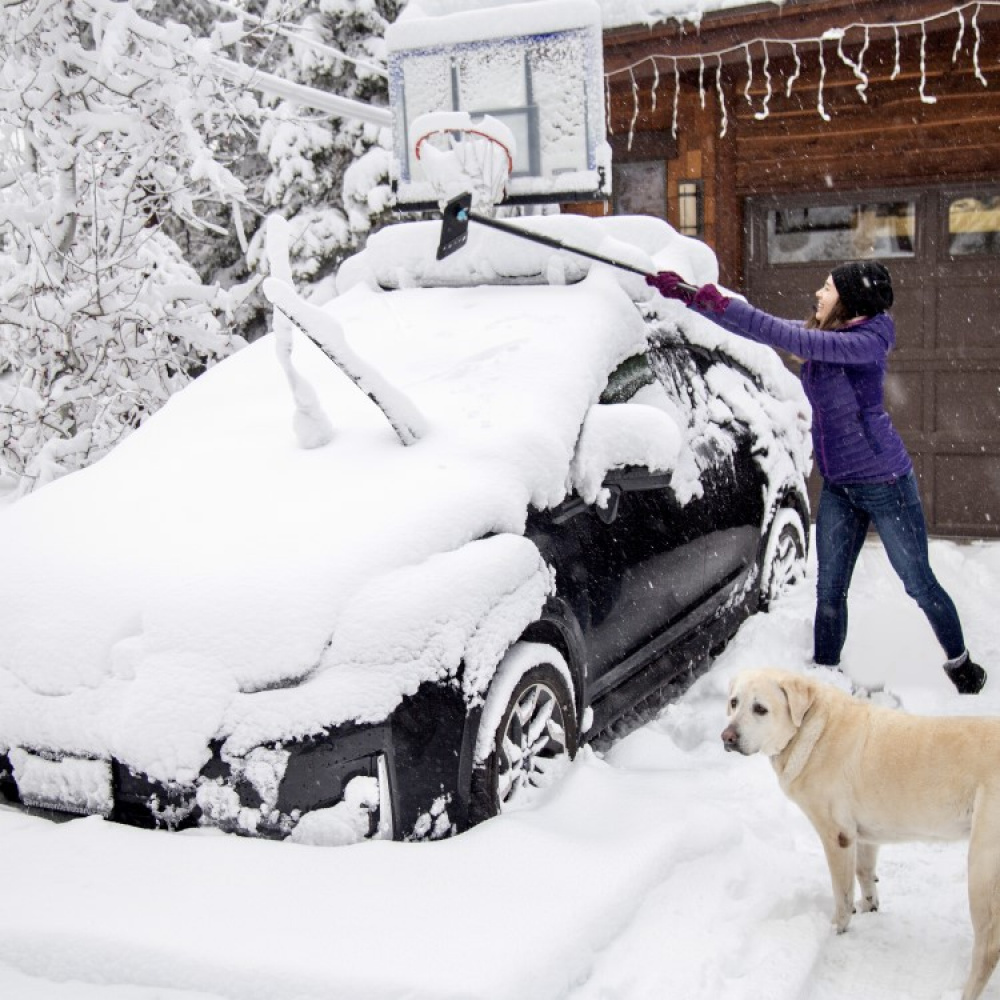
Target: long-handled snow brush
<point x="457" y="215"/>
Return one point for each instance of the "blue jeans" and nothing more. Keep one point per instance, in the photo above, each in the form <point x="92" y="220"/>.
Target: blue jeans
<point x="845" y="513"/>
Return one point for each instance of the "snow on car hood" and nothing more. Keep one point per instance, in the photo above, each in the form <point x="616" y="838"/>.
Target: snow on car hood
<point x="211" y="578"/>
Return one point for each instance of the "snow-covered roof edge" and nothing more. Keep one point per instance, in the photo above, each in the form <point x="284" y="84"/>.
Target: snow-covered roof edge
<point x="614" y="13"/>
<point x="473" y="22"/>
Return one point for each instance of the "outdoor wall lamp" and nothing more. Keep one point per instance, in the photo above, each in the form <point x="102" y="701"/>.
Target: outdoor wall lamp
<point x="691" y="208"/>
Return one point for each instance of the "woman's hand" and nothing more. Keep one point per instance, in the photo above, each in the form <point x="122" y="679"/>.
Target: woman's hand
<point x="671" y="285"/>
<point x="708" y="298"/>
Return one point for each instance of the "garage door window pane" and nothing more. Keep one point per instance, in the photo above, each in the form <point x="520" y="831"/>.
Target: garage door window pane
<point x="641" y="188"/>
<point x="974" y="226"/>
<point x="841" y="232"/>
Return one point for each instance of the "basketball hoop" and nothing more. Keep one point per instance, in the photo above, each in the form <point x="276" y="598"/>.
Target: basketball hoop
<point x="458" y="155"/>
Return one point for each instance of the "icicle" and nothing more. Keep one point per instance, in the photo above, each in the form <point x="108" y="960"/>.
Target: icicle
<point x="961" y="35"/>
<point x="975" y="48"/>
<point x="723" y="115"/>
<point x="925" y="97"/>
<point x="635" y="108"/>
<point x="839" y="35"/>
<point x="656" y="81"/>
<point x="895" y="68"/>
<point x="746" y="89"/>
<point x="822" y="79"/>
<point x="607" y="105"/>
<point x="97" y="30"/>
<point x="856" y="69"/>
<point x="241" y="231"/>
<point x="677" y="95"/>
<point x="863" y="85"/>
<point x="765" y="110"/>
<point x="701" y="81"/>
<point x="797" y="70"/>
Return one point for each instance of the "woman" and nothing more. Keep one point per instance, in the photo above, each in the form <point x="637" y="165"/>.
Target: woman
<point x="867" y="474"/>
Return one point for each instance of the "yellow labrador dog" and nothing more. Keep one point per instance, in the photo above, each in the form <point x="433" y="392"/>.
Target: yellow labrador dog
<point x="866" y="775"/>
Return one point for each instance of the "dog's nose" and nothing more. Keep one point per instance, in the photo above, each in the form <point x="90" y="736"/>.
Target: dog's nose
<point x="731" y="738"/>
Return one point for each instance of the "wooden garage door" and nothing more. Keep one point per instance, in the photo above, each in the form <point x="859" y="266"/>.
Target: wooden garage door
<point x="942" y="246"/>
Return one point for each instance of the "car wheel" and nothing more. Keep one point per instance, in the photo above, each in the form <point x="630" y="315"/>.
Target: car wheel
<point x="784" y="562"/>
<point x="531" y="745"/>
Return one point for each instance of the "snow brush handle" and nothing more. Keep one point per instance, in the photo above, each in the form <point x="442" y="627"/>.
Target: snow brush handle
<point x="455" y="223"/>
<point x="550" y="241"/>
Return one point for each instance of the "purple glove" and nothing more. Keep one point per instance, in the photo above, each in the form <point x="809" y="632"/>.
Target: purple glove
<point x="708" y="298"/>
<point x="668" y="283"/>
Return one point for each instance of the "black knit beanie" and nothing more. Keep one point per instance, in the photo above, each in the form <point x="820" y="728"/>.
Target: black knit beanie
<point x="864" y="286"/>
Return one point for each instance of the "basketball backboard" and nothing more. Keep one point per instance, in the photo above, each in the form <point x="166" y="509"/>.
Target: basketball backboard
<point x="535" y="67"/>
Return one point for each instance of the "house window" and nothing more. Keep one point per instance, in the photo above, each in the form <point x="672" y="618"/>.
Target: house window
<point x="974" y="226"/>
<point x="841" y="232"/>
<point x="640" y="188"/>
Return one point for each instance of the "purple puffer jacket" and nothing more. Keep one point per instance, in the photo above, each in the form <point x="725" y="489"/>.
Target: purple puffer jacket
<point x="853" y="438"/>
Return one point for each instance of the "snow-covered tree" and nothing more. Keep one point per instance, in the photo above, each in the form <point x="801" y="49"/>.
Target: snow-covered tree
<point x="109" y="127"/>
<point x="330" y="176"/>
<point x="134" y="180"/>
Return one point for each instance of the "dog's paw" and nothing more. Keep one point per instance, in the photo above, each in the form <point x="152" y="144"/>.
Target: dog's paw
<point x="867" y="883"/>
<point x="877" y="694"/>
<point x="886" y="698"/>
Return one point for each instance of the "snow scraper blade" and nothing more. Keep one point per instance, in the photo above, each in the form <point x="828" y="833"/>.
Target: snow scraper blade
<point x="454" y="225"/>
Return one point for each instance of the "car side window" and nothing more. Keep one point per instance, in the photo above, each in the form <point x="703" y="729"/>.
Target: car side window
<point x="680" y="375"/>
<point x="686" y="376"/>
<point x="627" y="379"/>
<point x="672" y="367"/>
<point x="690" y="386"/>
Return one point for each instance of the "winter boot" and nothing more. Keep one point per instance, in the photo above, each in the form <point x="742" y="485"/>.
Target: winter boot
<point x="968" y="677"/>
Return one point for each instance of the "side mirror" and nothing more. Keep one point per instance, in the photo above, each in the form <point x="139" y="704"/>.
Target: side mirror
<point x="609" y="512"/>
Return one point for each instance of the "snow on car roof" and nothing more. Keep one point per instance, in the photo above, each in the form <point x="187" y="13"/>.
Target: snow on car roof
<point x="210" y="578"/>
<point x="405" y="256"/>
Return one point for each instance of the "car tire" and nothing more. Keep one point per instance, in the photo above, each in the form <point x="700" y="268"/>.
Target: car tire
<point x="536" y="737"/>
<point x="784" y="562"/>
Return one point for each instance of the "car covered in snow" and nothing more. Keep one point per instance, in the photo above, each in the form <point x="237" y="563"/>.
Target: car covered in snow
<point x="289" y="608"/>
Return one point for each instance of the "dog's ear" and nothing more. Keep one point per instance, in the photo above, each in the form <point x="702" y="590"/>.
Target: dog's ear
<point x="800" y="694"/>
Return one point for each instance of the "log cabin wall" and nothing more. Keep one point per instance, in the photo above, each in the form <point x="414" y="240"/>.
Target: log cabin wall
<point x="909" y="125"/>
<point x="775" y="124"/>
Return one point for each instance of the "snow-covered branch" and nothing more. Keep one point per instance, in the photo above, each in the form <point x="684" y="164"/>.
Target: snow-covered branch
<point x="96" y="112"/>
<point x="135" y="175"/>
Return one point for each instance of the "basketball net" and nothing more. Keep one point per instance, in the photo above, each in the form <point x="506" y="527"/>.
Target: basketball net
<point x="458" y="154"/>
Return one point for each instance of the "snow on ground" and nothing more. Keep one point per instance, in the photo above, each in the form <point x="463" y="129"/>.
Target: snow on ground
<point x="663" y="867"/>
